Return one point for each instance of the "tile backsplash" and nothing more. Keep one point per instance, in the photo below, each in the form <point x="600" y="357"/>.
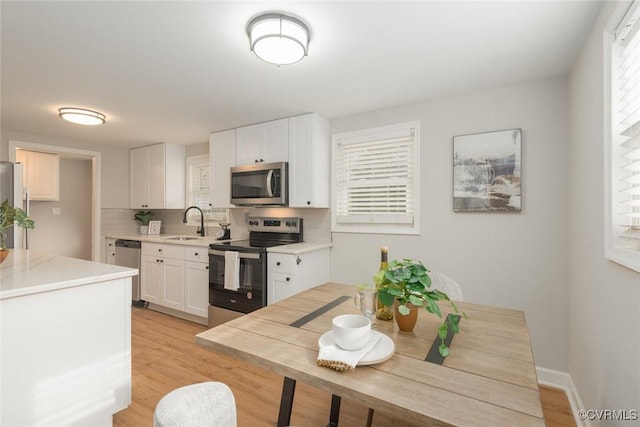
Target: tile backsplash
<point x="119" y="222"/>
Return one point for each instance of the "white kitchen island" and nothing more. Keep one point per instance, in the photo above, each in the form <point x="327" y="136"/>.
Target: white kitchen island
<point x="65" y="340"/>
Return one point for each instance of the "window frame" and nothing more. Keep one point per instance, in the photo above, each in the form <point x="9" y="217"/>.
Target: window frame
<point x="375" y="226"/>
<point x="614" y="251"/>
<point x="211" y="215"/>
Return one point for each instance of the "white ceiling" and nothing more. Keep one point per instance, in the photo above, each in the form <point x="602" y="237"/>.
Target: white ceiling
<point x="174" y="71"/>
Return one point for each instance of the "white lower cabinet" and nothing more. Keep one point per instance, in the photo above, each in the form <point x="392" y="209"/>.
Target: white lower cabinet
<point x="289" y="274"/>
<point x="110" y="252"/>
<point x="196" y="280"/>
<point x="162" y="275"/>
<point x="176" y="277"/>
<point x="173" y="289"/>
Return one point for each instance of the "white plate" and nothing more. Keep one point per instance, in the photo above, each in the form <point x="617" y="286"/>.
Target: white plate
<point x="382" y="351"/>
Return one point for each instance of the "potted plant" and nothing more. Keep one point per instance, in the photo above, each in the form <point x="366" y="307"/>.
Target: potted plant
<point x="144" y="217"/>
<point x="10" y="216"/>
<point x="406" y="285"/>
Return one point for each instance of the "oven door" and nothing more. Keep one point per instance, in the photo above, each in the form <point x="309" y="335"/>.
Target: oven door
<point x="252" y="291"/>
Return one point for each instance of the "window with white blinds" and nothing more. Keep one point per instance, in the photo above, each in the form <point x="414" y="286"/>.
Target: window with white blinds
<point x="624" y="233"/>
<point x="376" y="180"/>
<point x="198" y="169"/>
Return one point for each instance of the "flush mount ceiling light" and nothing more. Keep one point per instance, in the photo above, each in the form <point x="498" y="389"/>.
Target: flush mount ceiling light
<point x="81" y="116"/>
<point x="278" y="38"/>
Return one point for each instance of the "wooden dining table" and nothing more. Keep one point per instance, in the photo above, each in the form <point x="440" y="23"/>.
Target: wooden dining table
<point x="488" y="379"/>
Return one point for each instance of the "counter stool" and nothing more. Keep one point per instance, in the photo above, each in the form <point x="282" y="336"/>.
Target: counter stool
<point x="208" y="404"/>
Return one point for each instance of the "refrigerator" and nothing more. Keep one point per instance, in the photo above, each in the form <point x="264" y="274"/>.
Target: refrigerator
<point x="11" y="190"/>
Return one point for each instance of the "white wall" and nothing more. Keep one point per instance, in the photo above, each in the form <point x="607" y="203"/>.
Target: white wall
<point x="515" y="260"/>
<point x="604" y="321"/>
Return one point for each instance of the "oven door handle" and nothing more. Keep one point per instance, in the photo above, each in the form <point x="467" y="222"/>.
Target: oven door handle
<point x="240" y="254"/>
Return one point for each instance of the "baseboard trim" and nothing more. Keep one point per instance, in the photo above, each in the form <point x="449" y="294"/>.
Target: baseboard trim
<point x="562" y="380"/>
<point x="180" y="314"/>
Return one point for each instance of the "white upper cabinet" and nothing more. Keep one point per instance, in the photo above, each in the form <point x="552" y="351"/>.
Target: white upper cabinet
<point x="264" y="142"/>
<point x="40" y="174"/>
<point x="303" y="141"/>
<point x="222" y="155"/>
<point x="309" y="161"/>
<point x="157" y="177"/>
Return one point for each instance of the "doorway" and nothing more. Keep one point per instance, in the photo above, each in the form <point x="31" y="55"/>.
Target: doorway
<point x="73" y="225"/>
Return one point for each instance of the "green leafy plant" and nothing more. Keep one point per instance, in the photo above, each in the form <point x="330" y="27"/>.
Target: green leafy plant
<point x="10" y="216"/>
<point x="144" y="217"/>
<point x="408" y="282"/>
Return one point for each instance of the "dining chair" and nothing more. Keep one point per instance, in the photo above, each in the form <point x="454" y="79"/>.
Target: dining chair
<point x="447" y="285"/>
<point x="204" y="404"/>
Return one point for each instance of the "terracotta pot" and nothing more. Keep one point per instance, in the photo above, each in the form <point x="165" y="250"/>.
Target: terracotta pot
<point x="408" y="322"/>
<point x="3" y="255"/>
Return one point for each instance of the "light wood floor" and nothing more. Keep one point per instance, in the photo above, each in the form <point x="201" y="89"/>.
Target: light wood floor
<point x="165" y="357"/>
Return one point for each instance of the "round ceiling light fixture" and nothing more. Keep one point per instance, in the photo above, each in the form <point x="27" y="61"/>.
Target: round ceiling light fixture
<point x="81" y="116"/>
<point x="278" y="39"/>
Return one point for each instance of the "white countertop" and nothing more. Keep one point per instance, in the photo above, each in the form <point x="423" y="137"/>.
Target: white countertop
<point x="166" y="238"/>
<point x="293" y="249"/>
<point x="299" y="248"/>
<point x="25" y="272"/>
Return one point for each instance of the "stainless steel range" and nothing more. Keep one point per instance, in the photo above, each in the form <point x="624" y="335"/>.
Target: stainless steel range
<point x="238" y="269"/>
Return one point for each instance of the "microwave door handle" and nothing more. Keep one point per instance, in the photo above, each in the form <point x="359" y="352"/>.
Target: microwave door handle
<point x="269" y="183"/>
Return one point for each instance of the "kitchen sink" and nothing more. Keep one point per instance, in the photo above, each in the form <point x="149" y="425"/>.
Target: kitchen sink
<point x="181" y="238"/>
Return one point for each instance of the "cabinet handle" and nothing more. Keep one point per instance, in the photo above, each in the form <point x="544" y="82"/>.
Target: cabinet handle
<point x="207" y="267"/>
<point x="308" y="202"/>
<point x="288" y="279"/>
<point x="195" y="254"/>
<point x="298" y="261"/>
<point x="159" y="250"/>
<point x="278" y="263"/>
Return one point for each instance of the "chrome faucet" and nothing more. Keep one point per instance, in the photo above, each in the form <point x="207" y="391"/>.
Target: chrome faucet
<point x="200" y="230"/>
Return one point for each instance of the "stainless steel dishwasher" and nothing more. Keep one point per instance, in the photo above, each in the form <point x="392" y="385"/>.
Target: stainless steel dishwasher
<point x="128" y="255"/>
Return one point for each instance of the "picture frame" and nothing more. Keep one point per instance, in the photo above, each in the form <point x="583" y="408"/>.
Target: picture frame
<point x="487" y="171"/>
<point x="154" y="227"/>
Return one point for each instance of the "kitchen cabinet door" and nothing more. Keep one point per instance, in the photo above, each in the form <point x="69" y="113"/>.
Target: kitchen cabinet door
<point x="40" y="174"/>
<point x="263" y="143"/>
<point x="110" y="253"/>
<point x="152" y="279"/>
<point x="173" y="290"/>
<point x="309" y="161"/>
<point x="280" y="286"/>
<point x="157" y="177"/>
<point x="196" y="281"/>
<point x="222" y="155"/>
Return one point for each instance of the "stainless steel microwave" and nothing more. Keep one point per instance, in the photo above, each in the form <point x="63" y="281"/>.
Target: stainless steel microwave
<point x="260" y="184"/>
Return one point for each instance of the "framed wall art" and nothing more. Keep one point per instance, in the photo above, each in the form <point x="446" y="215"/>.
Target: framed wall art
<point x="487" y="172"/>
<point x="154" y="227"/>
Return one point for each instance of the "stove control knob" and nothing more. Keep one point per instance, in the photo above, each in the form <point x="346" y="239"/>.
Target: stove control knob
<point x="294" y="223"/>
